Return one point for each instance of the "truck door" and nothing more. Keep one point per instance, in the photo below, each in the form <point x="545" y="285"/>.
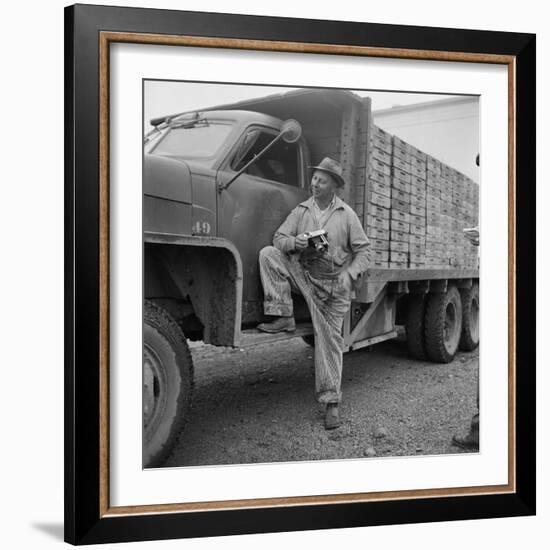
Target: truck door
<point x="258" y="201"/>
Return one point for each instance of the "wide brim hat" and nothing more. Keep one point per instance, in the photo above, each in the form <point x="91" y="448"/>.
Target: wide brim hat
<point x="332" y="167"/>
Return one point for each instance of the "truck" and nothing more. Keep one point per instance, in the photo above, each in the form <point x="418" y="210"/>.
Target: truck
<point x="218" y="182"/>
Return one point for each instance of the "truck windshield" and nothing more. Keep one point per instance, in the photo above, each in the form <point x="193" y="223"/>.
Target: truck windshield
<point x="200" y="141"/>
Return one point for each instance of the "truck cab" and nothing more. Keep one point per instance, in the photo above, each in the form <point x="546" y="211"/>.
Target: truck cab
<point x="188" y="160"/>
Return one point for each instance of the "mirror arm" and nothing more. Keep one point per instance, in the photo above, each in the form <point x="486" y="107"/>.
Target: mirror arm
<point x="223" y="186"/>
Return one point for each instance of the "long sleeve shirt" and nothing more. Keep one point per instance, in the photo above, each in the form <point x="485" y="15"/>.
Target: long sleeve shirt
<point x="349" y="246"/>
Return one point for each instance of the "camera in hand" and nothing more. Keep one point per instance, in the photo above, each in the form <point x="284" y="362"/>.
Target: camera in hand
<point x="318" y="240"/>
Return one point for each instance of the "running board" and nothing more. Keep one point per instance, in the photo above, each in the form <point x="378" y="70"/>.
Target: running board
<point x="254" y="337"/>
<point x="371" y="341"/>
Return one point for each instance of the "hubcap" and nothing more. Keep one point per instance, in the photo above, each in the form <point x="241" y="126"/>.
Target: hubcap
<point x="474" y="319"/>
<point x="451" y="326"/>
<point x="154" y="381"/>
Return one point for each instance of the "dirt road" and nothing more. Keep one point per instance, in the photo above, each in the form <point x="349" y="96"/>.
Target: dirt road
<point x="257" y="405"/>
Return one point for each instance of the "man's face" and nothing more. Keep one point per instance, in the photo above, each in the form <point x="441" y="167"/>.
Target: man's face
<point x="323" y="186"/>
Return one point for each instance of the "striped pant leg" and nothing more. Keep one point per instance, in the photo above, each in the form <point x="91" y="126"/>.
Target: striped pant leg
<point x="279" y="275"/>
<point x="327" y="317"/>
<point x="277" y="281"/>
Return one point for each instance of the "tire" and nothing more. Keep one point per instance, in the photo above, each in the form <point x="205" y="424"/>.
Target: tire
<point x="167" y="383"/>
<point x="443" y="325"/>
<point x="416" y="310"/>
<point x="469" y="339"/>
<point x="309" y="340"/>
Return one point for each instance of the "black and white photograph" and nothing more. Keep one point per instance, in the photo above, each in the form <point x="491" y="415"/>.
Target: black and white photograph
<point x="246" y="248"/>
<point x="310" y="274"/>
<point x="279" y="229"/>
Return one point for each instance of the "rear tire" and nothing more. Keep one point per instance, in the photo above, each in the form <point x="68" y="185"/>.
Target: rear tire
<point x="416" y="310"/>
<point x="469" y="339"/>
<point x="443" y="325"/>
<point x="167" y="383"/>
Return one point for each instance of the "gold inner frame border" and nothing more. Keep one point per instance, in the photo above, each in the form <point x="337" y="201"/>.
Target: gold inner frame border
<point x="105" y="40"/>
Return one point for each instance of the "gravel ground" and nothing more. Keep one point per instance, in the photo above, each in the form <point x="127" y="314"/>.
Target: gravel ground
<point x="256" y="405"/>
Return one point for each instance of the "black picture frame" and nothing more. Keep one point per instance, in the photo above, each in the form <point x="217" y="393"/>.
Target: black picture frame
<point x="87" y="520"/>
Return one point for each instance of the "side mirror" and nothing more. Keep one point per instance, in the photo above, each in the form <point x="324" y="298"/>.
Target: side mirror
<point x="291" y="130"/>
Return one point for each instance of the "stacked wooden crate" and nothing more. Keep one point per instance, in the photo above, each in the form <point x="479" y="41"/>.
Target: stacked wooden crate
<point x="415" y="208"/>
<point x="435" y="230"/>
<point x="408" y="206"/>
<point x="378" y="201"/>
<point x="452" y="207"/>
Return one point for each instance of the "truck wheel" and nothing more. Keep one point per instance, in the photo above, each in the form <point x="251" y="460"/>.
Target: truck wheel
<point x="443" y="325"/>
<point x="469" y="339"/>
<point x="416" y="310"/>
<point x="167" y="383"/>
<point x="309" y="340"/>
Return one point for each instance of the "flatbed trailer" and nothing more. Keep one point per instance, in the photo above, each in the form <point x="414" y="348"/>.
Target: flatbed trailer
<point x="373" y="275"/>
<point x="373" y="314"/>
<point x="382" y="171"/>
<point x="387" y="295"/>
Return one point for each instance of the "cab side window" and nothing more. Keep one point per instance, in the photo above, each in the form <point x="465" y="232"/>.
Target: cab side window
<point x="279" y="164"/>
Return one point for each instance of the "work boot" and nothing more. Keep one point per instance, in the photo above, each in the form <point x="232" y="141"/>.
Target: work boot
<point x="468" y="442"/>
<point x="471" y="441"/>
<point x="332" y="419"/>
<point x="279" y="324"/>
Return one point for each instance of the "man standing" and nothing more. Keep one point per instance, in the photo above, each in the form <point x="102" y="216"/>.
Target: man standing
<point x="471" y="439"/>
<point x="324" y="277"/>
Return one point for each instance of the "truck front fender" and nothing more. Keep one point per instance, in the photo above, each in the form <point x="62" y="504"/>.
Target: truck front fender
<point x="206" y="271"/>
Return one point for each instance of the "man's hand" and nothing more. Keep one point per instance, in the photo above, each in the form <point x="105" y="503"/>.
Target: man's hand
<point x="300" y="242"/>
<point x="344" y="278"/>
<point x="472" y="234"/>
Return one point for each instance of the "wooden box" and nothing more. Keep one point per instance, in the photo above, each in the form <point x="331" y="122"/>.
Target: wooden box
<point x="399" y="236"/>
<point x="400" y="215"/>
<point x="400" y="205"/>
<point x="418" y="210"/>
<point x="380" y="166"/>
<point x="380" y="255"/>
<point x="380" y="188"/>
<point x="376" y="233"/>
<point x="381" y="155"/>
<point x="380" y="200"/>
<point x="380" y="177"/>
<point x="399" y="246"/>
<point x="417" y="229"/>
<point x="399" y="257"/>
<point x="401" y="174"/>
<point x="378" y="211"/>
<point x="400" y="185"/>
<point x="402" y="165"/>
<point x="379" y="244"/>
<point x="379" y="223"/>
<point x="396" y="225"/>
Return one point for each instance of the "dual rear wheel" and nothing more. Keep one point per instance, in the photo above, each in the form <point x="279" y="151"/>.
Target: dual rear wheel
<point x="440" y="323"/>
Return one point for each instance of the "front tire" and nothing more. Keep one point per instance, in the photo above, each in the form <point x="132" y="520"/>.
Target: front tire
<point x="167" y="383"/>
<point x="469" y="339"/>
<point x="443" y="325"/>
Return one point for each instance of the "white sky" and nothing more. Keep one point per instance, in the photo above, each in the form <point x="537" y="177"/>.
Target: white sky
<point x="166" y="97"/>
